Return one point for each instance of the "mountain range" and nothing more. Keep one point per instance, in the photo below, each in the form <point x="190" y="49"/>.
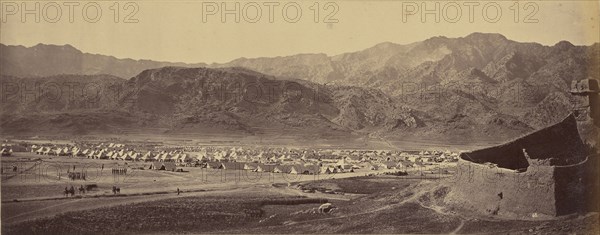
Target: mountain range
<point x="478" y="86"/>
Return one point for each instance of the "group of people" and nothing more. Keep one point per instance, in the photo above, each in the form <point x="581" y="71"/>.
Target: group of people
<point x="119" y="171"/>
<point x="76" y="175"/>
<point x="82" y="189"/>
<point x="71" y="191"/>
<point x="116" y="190"/>
<point x="13" y="167"/>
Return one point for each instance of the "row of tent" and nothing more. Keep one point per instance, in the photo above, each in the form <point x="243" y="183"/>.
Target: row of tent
<point x="128" y="155"/>
<point x="175" y="156"/>
<point x="307" y="169"/>
<point x="181" y="157"/>
<point x="135" y="156"/>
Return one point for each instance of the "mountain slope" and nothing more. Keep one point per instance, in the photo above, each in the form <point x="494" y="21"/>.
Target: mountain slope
<point x="190" y="100"/>
<point x="511" y="77"/>
<point x="478" y="86"/>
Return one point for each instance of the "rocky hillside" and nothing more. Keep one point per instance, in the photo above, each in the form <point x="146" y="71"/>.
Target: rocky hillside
<point x="478" y="86"/>
<point x="435" y="60"/>
<point x="196" y="100"/>
<point x="192" y="100"/>
<point x="478" y="75"/>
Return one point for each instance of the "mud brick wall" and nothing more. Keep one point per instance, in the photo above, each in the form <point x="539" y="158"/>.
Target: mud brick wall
<point x="554" y="177"/>
<point x="506" y="192"/>
<point x="578" y="186"/>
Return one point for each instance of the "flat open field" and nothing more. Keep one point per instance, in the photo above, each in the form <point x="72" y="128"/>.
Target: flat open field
<point x="39" y="177"/>
<point x="395" y="208"/>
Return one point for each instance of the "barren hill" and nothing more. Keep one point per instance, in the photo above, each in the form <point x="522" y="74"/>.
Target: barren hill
<point x="196" y="100"/>
<point x="478" y="86"/>
<point x="190" y="100"/>
<point x="485" y="78"/>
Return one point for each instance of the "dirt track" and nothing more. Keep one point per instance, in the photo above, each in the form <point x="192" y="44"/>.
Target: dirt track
<point x="48" y="208"/>
<point x="405" y="213"/>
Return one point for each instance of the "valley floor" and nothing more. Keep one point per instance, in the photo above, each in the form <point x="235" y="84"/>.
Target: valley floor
<point x="365" y="204"/>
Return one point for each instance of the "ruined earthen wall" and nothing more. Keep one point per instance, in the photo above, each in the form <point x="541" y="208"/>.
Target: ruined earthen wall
<point x="545" y="190"/>
<point x="578" y="186"/>
<point x="505" y="192"/>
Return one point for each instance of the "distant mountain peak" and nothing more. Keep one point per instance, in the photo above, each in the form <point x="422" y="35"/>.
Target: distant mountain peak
<point x="479" y="35"/>
<point x="435" y="40"/>
<point x="42" y="60"/>
<point x="66" y="47"/>
<point x="69" y="46"/>
<point x="563" y="44"/>
<point x="384" y="45"/>
<point x="440" y="37"/>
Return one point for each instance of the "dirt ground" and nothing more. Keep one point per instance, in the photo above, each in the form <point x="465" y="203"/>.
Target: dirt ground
<point x="389" y="205"/>
<point x="39" y="177"/>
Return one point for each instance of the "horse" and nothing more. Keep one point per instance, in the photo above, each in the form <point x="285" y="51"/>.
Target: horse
<point x="72" y="191"/>
<point x="81" y="190"/>
<point x="66" y="192"/>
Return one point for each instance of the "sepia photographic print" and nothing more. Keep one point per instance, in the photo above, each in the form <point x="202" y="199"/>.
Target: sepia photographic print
<point x="305" y="117"/>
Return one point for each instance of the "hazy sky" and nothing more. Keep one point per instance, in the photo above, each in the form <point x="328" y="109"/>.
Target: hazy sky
<point x="175" y="31"/>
